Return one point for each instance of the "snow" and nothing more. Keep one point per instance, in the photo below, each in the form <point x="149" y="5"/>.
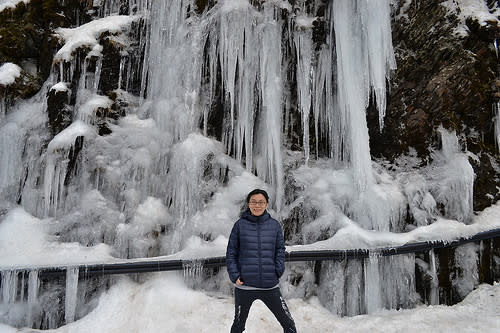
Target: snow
<point x="66" y="138"/>
<point x="10" y="3"/>
<point x="165" y="304"/>
<point x="353" y="236"/>
<point x="87" y="35"/>
<point x="87" y="110"/>
<point x="9" y="72"/>
<point x="43" y="249"/>
<point x="60" y="86"/>
<point x="477" y="9"/>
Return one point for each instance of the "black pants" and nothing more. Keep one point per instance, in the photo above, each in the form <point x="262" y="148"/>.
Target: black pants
<point x="272" y="298"/>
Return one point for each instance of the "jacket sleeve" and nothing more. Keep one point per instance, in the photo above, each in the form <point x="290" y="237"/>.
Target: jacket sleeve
<point x="232" y="254"/>
<point x="279" y="260"/>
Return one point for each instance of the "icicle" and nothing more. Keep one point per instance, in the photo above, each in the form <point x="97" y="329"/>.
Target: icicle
<point x="398" y="281"/>
<point x="146" y="43"/>
<point x="97" y="75"/>
<point x="193" y="272"/>
<point x="12" y="139"/>
<point x="269" y="165"/>
<point x="22" y="289"/>
<point x="238" y="63"/>
<point x="496" y="109"/>
<point x="353" y="92"/>
<point x="57" y="162"/>
<point x="3" y="108"/>
<point x="325" y="104"/>
<point x="434" y="296"/>
<point x="331" y="289"/>
<point x="304" y="47"/>
<point x="354" y="276"/>
<point x="186" y="173"/>
<point x="61" y="71"/>
<point x="364" y="59"/>
<point x="33" y="286"/>
<point x="71" y="294"/>
<point x="192" y="269"/>
<point x="496" y="124"/>
<point x="9" y="286"/>
<point x="452" y="178"/>
<point x="376" y="19"/>
<point x="373" y="294"/>
<point x="466" y="259"/>
<point x="72" y="67"/>
<point x="175" y="88"/>
<point x="55" y="173"/>
<point x="120" y="74"/>
<point x="83" y="84"/>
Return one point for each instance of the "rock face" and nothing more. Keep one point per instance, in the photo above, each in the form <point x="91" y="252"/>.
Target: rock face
<point x="442" y="79"/>
<point x="58" y="110"/>
<point x="26" y="39"/>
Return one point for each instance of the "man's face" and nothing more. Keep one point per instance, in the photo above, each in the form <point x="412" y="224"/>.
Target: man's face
<point x="257" y="204"/>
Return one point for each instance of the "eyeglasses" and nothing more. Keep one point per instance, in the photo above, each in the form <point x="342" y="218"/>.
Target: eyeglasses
<point x="257" y="203"/>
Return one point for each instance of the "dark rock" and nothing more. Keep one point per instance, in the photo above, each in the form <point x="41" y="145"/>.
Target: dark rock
<point x="73" y="157"/>
<point x="441" y="79"/>
<point x="58" y="109"/>
<point x="485" y="185"/>
<point x="24" y="86"/>
<point x="202" y="5"/>
<point x="110" y="71"/>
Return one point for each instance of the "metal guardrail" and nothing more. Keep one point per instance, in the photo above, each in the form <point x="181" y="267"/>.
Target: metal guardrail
<point x="293" y="256"/>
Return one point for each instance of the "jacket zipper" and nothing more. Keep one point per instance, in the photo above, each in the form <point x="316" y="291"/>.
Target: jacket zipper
<point x="260" y="254"/>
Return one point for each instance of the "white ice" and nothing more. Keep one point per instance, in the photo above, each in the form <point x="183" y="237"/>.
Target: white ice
<point x="43" y="249"/>
<point x="60" y="86"/>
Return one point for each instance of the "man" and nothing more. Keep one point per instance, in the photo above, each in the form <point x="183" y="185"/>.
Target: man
<point x="255" y="259"/>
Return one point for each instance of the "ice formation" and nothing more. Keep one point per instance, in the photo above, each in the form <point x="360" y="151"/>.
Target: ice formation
<point x="225" y="98"/>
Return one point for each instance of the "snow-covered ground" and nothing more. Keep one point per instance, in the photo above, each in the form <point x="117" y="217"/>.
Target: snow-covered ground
<point x="165" y="304"/>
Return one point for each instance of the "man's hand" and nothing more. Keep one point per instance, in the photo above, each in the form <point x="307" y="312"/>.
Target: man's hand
<point x="239" y="282"/>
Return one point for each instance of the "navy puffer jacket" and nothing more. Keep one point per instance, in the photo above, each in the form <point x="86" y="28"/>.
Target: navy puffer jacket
<point x="256" y="251"/>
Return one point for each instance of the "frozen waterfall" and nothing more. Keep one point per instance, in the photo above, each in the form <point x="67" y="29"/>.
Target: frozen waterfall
<point x="206" y="104"/>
